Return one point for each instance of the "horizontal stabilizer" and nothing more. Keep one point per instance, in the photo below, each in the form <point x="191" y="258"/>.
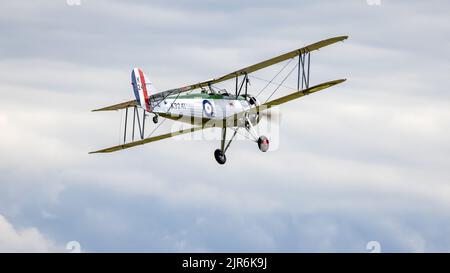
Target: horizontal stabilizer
<point x="119" y="106"/>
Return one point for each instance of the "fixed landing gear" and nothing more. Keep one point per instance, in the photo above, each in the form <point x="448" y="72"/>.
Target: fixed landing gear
<point x="220" y="156"/>
<point x="155" y="119"/>
<point x="262" y="141"/>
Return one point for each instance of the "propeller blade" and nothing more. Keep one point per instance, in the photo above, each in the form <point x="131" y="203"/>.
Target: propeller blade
<point x="271" y="115"/>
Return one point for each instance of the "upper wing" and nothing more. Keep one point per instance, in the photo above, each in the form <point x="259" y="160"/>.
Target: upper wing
<point x="260" y="65"/>
<point x="287" y="98"/>
<point x="243" y="71"/>
<point x="147" y="140"/>
<point x="275" y="60"/>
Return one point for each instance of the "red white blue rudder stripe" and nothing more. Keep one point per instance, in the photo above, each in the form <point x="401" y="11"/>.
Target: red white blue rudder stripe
<point x="142" y="88"/>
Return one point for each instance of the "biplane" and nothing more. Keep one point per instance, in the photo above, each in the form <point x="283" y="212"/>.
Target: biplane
<point x="204" y="107"/>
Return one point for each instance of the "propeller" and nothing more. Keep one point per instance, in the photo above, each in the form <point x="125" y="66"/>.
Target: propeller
<point x="271" y="115"/>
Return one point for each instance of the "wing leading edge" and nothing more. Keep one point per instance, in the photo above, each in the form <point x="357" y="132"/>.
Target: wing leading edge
<point x="119" y="106"/>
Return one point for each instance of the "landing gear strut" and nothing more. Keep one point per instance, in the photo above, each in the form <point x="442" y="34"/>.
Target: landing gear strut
<point x="219" y="154"/>
<point x="263" y="141"/>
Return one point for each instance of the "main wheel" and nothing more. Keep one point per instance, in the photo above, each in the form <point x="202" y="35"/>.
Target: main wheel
<point x="263" y="143"/>
<point x="220" y="156"/>
<point x="155" y="119"/>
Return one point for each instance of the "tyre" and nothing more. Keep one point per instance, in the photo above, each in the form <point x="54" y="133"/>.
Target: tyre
<point x="263" y="143"/>
<point x="220" y="156"/>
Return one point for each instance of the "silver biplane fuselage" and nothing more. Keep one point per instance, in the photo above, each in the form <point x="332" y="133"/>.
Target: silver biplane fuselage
<point x="208" y="109"/>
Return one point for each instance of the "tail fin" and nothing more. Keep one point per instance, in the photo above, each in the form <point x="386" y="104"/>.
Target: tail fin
<point x="142" y="88"/>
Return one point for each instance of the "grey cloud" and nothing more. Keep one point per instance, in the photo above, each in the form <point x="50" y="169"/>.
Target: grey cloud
<point x="364" y="161"/>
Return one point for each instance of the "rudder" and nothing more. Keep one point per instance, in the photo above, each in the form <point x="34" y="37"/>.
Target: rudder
<point x="142" y="88"/>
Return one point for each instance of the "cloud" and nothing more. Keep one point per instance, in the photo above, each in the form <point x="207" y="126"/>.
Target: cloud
<point x="363" y="161"/>
<point x="14" y="239"/>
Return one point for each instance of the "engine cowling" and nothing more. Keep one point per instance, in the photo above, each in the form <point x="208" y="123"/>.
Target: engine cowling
<point x="253" y="102"/>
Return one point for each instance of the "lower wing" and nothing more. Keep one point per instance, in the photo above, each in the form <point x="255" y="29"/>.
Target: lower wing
<point x="301" y="93"/>
<point x="147" y="140"/>
<point x="284" y="99"/>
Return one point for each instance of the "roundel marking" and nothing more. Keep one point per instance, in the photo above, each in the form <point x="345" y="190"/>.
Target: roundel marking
<point x="208" y="109"/>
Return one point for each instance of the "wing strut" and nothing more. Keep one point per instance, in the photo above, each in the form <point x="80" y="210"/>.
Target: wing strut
<point x="141" y="129"/>
<point x="244" y="80"/>
<point x="303" y="71"/>
<point x="125" y="131"/>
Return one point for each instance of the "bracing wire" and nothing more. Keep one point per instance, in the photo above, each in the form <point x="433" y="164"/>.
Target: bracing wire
<point x="161" y="123"/>
<point x="259" y="93"/>
<point x="285" y="78"/>
<point x="274" y="83"/>
<point x="244" y="135"/>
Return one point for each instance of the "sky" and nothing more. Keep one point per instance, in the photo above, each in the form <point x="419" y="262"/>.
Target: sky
<point x="366" y="161"/>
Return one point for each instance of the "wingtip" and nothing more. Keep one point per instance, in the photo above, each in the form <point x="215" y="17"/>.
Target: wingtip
<point x="340" y="81"/>
<point x="337" y="81"/>
<point x="343" y="38"/>
<point x="99" y="110"/>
